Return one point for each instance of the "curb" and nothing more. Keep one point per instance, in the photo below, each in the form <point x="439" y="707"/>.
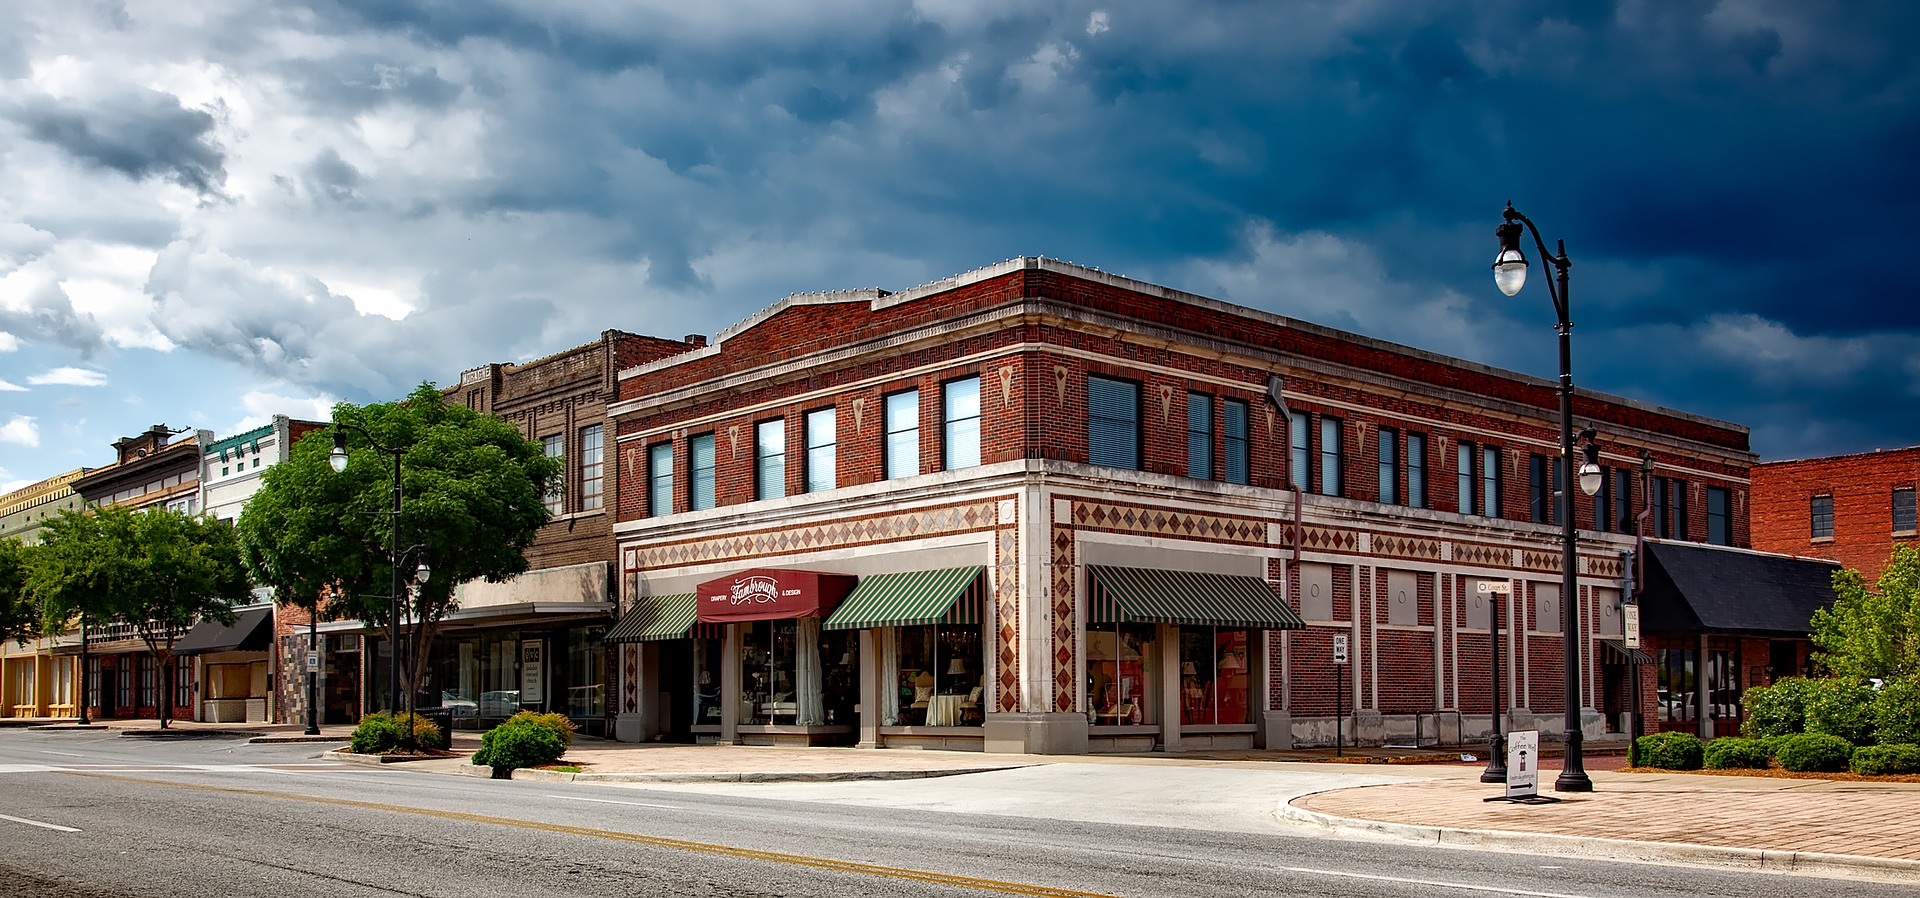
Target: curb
<point x="68" y="728"/>
<point x="190" y="734"/>
<point x="838" y="776"/>
<point x="373" y="760"/>
<point x="1804" y="863"/>
<point x="277" y="740"/>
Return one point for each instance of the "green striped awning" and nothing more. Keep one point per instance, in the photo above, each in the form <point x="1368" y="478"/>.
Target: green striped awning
<point x="947" y="596"/>
<point x="1187" y="598"/>
<point x="654" y="618"/>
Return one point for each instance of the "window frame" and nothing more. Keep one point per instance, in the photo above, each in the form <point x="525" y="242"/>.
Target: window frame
<point x="1130" y="457"/>
<point x="1815" y="515"/>
<point x="555" y="496"/>
<point x="1199" y="435"/>
<point x="1417" y="493"/>
<point x="1492" y="481"/>
<point x="1388" y="442"/>
<point x="1300" y="451"/>
<point x="1912" y="512"/>
<point x="711" y="468"/>
<point x="1236" y="467"/>
<point x="593" y="467"/>
<point x="1466" y="455"/>
<point x="1719" y="523"/>
<point x="659" y="476"/>
<point x="954" y="430"/>
<point x="1332" y="431"/>
<point x="899" y="446"/>
<point x="770" y="459"/>
<point x="815" y="451"/>
<point x="1539" y="489"/>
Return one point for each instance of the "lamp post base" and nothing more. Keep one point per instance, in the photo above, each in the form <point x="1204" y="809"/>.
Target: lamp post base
<point x="1573" y="774"/>
<point x="1496" y="771"/>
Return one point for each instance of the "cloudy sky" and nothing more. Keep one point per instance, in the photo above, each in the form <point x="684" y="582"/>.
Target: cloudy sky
<point x="214" y="211"/>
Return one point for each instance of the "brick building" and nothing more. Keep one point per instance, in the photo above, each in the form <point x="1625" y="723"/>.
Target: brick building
<point x="34" y="680"/>
<point x="1851" y="509"/>
<point x="1037" y="507"/>
<point x="535" y="641"/>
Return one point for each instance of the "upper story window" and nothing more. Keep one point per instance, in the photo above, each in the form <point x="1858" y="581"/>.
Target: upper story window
<point x="591" y="466"/>
<point x="770" y="459"/>
<point x="1820" y="510"/>
<point x="700" y="461"/>
<point x="1113" y="422"/>
<point x="1490" y="481"/>
<point x="660" y="480"/>
<point x="1389" y="466"/>
<point x="1299" y="451"/>
<point x="1657" y="503"/>
<point x="1622" y="490"/>
<point x="903" y="434"/>
<point x="1540" y="487"/>
<point x="1463" y="458"/>
<point x="1903" y="511"/>
<point x="1200" y="436"/>
<point x="1417" y="470"/>
<point x="557" y="485"/>
<point x="1233" y="422"/>
<point x="822" y="450"/>
<point x="1332" y="452"/>
<point x="1680" y="528"/>
<point x="1719" y="524"/>
<point x="960" y="410"/>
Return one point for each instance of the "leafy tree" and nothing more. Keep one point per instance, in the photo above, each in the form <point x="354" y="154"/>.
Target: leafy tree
<point x="18" y="618"/>
<point x="472" y="490"/>
<point x="159" y="571"/>
<point x="1873" y="632"/>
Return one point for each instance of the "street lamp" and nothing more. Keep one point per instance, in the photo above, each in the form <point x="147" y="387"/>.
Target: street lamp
<point x="1510" y="274"/>
<point x="338" y="460"/>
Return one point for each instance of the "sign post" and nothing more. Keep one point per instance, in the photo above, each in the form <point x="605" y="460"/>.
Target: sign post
<point x="1339" y="692"/>
<point x="1496" y="771"/>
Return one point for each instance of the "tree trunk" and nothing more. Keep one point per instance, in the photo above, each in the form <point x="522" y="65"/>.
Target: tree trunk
<point x="163" y="704"/>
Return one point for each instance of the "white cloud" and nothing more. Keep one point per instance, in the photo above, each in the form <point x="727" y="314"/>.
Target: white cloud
<point x="8" y="342"/>
<point x="7" y="386"/>
<point x="70" y="377"/>
<point x="22" y="430"/>
<point x="1097" y="23"/>
<point x="261" y="406"/>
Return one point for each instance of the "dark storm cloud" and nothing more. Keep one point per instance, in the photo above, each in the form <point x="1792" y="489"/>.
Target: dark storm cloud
<point x="138" y="133"/>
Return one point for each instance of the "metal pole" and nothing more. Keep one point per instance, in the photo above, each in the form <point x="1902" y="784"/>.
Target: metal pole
<point x="82" y="697"/>
<point x="1573" y="774"/>
<point x="313" y="675"/>
<point x="1339" y="709"/>
<point x="393" y="603"/>
<point x="1496" y="771"/>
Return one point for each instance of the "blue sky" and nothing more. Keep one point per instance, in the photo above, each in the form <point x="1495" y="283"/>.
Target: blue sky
<point x="211" y="212"/>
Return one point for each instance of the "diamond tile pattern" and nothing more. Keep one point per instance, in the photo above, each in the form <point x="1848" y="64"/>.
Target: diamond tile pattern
<point x="1064" y="622"/>
<point x="785" y="540"/>
<point x="1125" y="518"/>
<point x="1396" y="546"/>
<point x="1007" y="593"/>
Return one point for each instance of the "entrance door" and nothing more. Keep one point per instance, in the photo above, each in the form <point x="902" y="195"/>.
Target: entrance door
<point x="106" y="679"/>
<point x="1613" y="692"/>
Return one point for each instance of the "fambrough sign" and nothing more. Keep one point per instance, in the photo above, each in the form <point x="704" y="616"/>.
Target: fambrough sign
<point x="771" y="594"/>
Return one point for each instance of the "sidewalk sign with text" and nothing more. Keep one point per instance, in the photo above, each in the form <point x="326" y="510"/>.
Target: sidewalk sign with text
<point x="1523" y="764"/>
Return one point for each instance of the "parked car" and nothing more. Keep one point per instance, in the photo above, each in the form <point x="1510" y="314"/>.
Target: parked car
<point x="500" y="703"/>
<point x="460" y="705"/>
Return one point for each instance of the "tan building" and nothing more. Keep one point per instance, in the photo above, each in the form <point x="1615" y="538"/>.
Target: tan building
<point x="34" y="681"/>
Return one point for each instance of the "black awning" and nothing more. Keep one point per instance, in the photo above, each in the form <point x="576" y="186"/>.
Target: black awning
<point x="1632" y="656"/>
<point x="1692" y="588"/>
<point x="251" y="631"/>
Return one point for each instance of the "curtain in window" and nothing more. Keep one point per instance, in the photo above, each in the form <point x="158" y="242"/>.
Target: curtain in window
<point x="889" y="676"/>
<point x="812" y="705"/>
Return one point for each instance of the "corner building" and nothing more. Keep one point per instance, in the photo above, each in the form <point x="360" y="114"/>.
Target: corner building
<point x="1040" y="508"/>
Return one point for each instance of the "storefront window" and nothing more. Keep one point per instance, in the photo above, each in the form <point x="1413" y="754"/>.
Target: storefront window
<point x="1215" y="679"/>
<point x="1673" y="680"/>
<point x="706" y="682"/>
<point x="792" y="674"/>
<point x="937" y="677"/>
<point x="1120" y="664"/>
<point x="580" y="670"/>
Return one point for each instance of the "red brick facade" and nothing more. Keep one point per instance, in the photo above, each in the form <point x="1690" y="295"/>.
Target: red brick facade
<point x="1862" y="488"/>
<point x="1034" y="331"/>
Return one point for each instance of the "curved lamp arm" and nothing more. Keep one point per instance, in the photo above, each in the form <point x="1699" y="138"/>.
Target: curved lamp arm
<point x="1509" y="239"/>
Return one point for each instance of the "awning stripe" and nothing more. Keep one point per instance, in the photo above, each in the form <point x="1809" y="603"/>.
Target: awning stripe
<point x="915" y="598"/>
<point x="1633" y="655"/>
<point x="1189" y="598"/>
<point x="656" y="617"/>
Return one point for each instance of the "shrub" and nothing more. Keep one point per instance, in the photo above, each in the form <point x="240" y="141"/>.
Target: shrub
<point x="1772" y="743"/>
<point x="522" y="741"/>
<point x="1671" y="751"/>
<point x="1896" y="711"/>
<point x="559" y="723"/>
<point x="1884" y="759"/>
<point x="1777" y="710"/>
<point x="1809" y="752"/>
<point x="1735" y="753"/>
<point x="380" y="732"/>
<point x="1842" y="708"/>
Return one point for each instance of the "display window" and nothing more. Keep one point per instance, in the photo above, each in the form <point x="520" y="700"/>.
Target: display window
<point x="1216" y="682"/>
<point x="706" y="682"/>
<point x="793" y="674"/>
<point x="936" y="677"/>
<point x="1120" y="664"/>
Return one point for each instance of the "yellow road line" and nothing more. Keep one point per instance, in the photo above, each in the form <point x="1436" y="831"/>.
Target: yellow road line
<point x="799" y="860"/>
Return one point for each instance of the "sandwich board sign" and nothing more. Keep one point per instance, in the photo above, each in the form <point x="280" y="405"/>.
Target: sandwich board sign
<point x="1523" y="764"/>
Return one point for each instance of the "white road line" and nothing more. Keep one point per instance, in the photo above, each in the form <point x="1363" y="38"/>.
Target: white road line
<point x="67" y="754"/>
<point x="53" y="826"/>
<point x="634" y="804"/>
<point x="1434" y="882"/>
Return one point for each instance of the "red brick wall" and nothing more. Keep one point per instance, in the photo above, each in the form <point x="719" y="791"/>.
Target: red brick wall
<point x="1862" y="488"/>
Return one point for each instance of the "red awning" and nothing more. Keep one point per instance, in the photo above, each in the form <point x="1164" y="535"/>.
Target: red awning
<point x="771" y="594"/>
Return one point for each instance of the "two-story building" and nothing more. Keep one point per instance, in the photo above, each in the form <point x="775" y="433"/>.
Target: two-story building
<point x="1038" y="507"/>
<point x="34" y="680"/>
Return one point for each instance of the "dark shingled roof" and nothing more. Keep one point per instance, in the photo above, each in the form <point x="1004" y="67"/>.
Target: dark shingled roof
<point x="1694" y="587"/>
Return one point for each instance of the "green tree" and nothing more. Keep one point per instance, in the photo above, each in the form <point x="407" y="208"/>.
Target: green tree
<point x="156" y="570"/>
<point x="471" y="487"/>
<point x="19" y="620"/>
<point x="1873" y="632"/>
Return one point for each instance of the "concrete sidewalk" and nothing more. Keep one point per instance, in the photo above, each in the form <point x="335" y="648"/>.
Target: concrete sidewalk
<point x="1823" y="827"/>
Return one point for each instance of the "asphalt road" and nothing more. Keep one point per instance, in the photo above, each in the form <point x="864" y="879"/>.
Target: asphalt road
<point x="94" y="815"/>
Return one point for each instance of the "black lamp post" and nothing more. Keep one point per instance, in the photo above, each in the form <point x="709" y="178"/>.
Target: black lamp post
<point x="1509" y="274"/>
<point x="338" y="459"/>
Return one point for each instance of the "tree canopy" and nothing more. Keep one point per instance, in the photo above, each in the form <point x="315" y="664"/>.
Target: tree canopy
<point x="1873" y="632"/>
<point x="19" y="620"/>
<point x="471" y="489"/>
<point x="157" y="570"/>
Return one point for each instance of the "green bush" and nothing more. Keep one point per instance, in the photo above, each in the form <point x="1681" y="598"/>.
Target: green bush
<point x="380" y="732"/>
<point x="1772" y="743"/>
<point x="522" y="741"/>
<point x="1671" y="751"/>
<point x="1810" y="752"/>
<point x="1884" y="759"/>
<point x="1777" y="710"/>
<point x="1842" y="708"/>
<point x="1735" y="753"/>
<point x="559" y="723"/>
<point x="1896" y="711"/>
